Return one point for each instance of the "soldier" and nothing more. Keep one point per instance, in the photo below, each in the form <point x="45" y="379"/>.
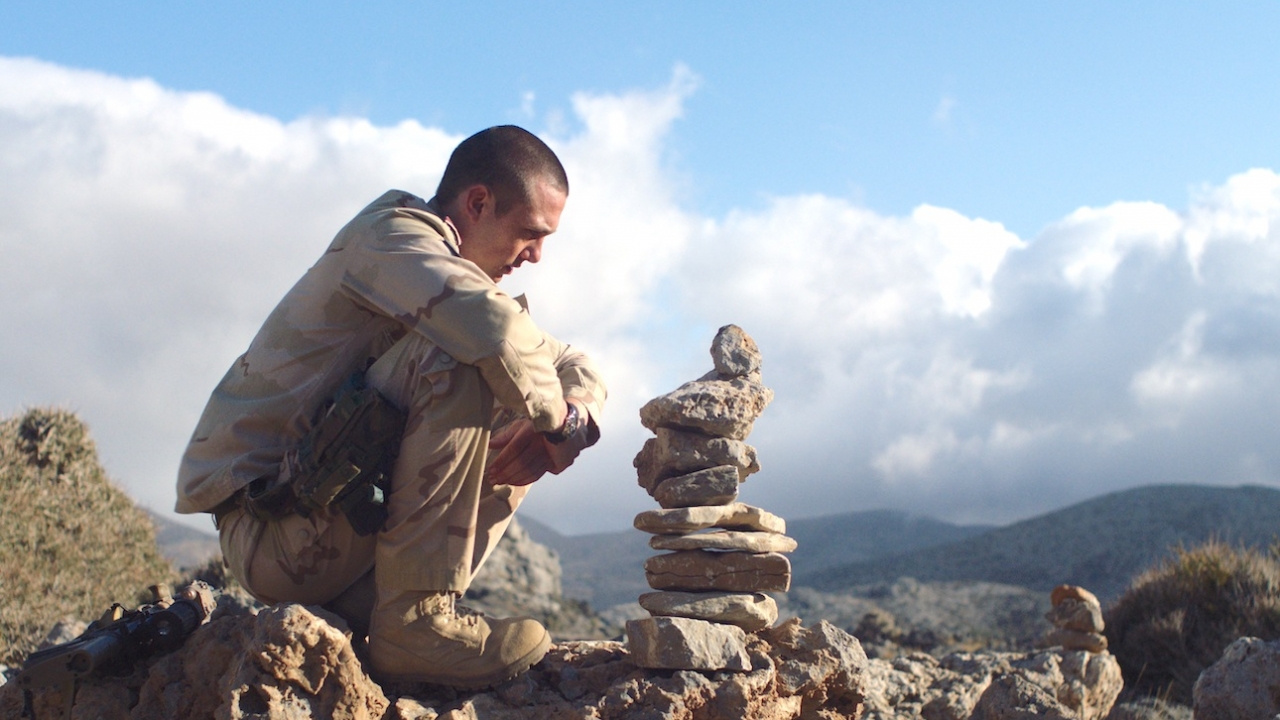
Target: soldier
<point x="405" y="298"/>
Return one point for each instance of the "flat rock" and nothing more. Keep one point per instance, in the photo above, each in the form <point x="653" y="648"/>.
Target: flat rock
<point x="1069" y="639"/>
<point x="677" y="452"/>
<point x="758" y="542"/>
<point x="713" y="486"/>
<point x="676" y="643"/>
<point x="749" y="611"/>
<point x="734" y="516"/>
<point x="722" y="408"/>
<point x="734" y="353"/>
<point x="732" y="571"/>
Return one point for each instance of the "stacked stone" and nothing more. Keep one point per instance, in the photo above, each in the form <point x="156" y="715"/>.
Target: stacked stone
<point x="724" y="555"/>
<point x="1077" y="620"/>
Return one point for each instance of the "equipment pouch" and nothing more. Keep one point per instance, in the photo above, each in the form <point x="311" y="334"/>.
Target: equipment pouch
<point x="347" y="457"/>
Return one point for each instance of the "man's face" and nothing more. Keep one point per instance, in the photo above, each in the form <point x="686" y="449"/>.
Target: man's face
<point x="500" y="244"/>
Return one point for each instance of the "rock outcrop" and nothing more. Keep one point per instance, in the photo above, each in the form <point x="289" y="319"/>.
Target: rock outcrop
<point x="290" y="661"/>
<point x="296" y="662"/>
<point x="1244" y="683"/>
<point x="993" y="686"/>
<point x="723" y="554"/>
<point x="522" y="577"/>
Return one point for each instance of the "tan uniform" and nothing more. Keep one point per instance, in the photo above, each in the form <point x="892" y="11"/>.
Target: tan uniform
<point x="440" y="340"/>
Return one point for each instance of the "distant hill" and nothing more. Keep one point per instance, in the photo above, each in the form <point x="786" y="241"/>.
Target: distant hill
<point x="183" y="546"/>
<point x="1099" y="544"/>
<point x="606" y="569"/>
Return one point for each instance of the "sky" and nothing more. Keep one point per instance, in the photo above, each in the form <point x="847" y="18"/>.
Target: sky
<point x="998" y="258"/>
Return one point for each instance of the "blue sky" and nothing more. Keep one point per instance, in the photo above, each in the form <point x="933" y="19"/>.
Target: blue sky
<point x="999" y="258"/>
<point x="1015" y="112"/>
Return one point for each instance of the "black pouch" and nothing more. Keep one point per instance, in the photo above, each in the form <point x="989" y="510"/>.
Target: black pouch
<point x="347" y="457"/>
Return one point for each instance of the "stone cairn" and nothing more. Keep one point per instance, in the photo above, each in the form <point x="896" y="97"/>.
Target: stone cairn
<point x="1077" y="620"/>
<point x="724" y="555"/>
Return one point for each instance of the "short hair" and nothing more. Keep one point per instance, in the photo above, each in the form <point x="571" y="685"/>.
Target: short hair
<point x="508" y="160"/>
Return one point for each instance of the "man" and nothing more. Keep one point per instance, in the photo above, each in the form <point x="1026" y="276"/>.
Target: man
<point x="407" y="295"/>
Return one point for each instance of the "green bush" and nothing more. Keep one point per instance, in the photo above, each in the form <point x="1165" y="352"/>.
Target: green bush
<point x="1177" y="617"/>
<point x="71" y="542"/>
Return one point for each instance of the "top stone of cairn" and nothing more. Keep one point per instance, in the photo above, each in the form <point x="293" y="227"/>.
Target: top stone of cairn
<point x="734" y="353"/>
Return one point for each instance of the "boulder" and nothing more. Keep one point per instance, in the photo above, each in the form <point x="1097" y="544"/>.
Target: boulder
<point x="722" y="408"/>
<point x="758" y="542"/>
<point x="734" y="516"/>
<point x="749" y="611"/>
<point x="677" y="643"/>
<point x="955" y="687"/>
<point x="1244" y="683"/>
<point x="713" y="486"/>
<point x="674" y="452"/>
<point x="732" y="571"/>
<point x="734" y="352"/>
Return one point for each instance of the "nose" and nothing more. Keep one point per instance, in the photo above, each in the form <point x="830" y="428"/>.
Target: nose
<point x="533" y="253"/>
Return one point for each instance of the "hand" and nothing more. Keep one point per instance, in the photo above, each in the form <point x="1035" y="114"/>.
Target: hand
<point x="525" y="455"/>
<point x="522" y="455"/>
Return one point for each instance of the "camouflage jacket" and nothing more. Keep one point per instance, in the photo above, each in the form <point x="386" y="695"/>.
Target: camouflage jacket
<point x="393" y="269"/>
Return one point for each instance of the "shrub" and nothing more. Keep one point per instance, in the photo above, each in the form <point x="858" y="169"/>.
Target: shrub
<point x="71" y="542"/>
<point x="1177" y="617"/>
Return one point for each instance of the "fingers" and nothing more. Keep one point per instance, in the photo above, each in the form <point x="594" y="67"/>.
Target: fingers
<point x="522" y="459"/>
<point x="507" y="432"/>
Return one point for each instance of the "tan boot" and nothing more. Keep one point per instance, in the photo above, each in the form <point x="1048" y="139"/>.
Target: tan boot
<point x="423" y="637"/>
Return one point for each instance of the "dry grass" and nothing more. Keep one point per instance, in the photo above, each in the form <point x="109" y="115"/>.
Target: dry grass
<point x="71" y="542"/>
<point x="1177" y="617"/>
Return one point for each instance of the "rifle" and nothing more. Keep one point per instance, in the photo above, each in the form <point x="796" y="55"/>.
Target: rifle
<point x="114" y="643"/>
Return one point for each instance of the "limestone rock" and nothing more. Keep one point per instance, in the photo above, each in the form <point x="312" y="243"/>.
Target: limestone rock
<point x="734" y="352"/>
<point x="1075" y="608"/>
<point x="676" y="452"/>
<point x="1075" y="640"/>
<point x="749" y="611"/>
<point x="723" y="408"/>
<point x="1077" y="620"/>
<point x="523" y="577"/>
<point x="1015" y="696"/>
<point x="1244" y="683"/>
<point x="713" y="486"/>
<point x="676" y="643"/>
<point x="951" y="688"/>
<point x="732" y="571"/>
<point x="734" y="516"/>
<point x="758" y="542"/>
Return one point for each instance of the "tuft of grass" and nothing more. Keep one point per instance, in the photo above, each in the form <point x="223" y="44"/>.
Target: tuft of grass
<point x="1176" y="618"/>
<point x="71" y="542"/>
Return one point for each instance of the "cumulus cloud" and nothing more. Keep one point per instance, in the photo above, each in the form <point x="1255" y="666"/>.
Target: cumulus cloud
<point x="934" y="362"/>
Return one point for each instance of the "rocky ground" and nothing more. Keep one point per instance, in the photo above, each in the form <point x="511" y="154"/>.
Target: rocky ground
<point x="290" y="661"/>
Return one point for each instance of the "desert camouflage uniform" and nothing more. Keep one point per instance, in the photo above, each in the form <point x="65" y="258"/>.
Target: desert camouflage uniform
<point x="442" y="342"/>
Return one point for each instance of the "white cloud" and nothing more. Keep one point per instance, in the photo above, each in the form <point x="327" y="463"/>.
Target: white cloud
<point x="934" y="362"/>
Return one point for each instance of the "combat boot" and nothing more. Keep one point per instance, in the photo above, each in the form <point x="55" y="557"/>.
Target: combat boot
<point x="425" y="637"/>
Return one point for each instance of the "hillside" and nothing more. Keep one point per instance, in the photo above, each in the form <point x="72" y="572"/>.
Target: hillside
<point x="1099" y="544"/>
<point x="605" y="569"/>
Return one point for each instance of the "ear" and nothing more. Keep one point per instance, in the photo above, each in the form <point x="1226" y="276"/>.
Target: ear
<point x="474" y="201"/>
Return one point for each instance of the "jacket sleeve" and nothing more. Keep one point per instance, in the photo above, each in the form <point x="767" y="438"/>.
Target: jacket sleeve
<point x="579" y="377"/>
<point x="410" y="274"/>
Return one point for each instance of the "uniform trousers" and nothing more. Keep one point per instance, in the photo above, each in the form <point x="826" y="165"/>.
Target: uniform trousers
<point x="444" y="519"/>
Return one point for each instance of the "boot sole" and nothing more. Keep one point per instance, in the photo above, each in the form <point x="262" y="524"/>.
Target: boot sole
<point x="511" y="672"/>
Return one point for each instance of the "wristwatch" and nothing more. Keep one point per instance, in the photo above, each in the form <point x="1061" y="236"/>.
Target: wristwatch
<point x="572" y="421"/>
